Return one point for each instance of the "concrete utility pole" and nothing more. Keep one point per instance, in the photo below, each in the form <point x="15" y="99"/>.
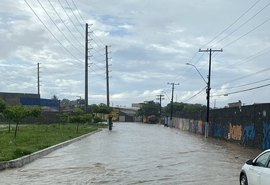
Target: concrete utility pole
<point x="173" y="84"/>
<point x="107" y="76"/>
<point x="210" y="51"/>
<point x="38" y="79"/>
<point x="86" y="67"/>
<point x="160" y="98"/>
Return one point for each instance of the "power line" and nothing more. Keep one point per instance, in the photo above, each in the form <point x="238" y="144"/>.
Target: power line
<point x="58" y="27"/>
<point x="243" y="85"/>
<point x="246" y="76"/>
<point x="74" y="15"/>
<point x="230" y="43"/>
<point x="235" y="92"/>
<point x="195" y="95"/>
<point x="251" y="57"/>
<point x="252" y="17"/>
<point x="52" y="32"/>
<point x="65" y="24"/>
<point x="70" y="19"/>
<point x="233" y="23"/>
<point x="78" y="11"/>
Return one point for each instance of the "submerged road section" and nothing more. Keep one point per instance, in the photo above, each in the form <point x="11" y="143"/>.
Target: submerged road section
<point x="136" y="153"/>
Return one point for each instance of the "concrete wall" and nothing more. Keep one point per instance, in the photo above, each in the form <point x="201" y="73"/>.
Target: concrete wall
<point x="247" y="125"/>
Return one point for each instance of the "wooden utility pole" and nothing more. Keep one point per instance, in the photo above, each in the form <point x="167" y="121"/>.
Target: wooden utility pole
<point x="160" y="98"/>
<point x="173" y="84"/>
<point x="107" y="76"/>
<point x="210" y="51"/>
<point x="38" y="79"/>
<point x="86" y="67"/>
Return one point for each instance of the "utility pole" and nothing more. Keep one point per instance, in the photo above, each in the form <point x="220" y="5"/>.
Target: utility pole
<point x="107" y="77"/>
<point x="210" y="51"/>
<point x="160" y="98"/>
<point x="86" y="67"/>
<point x="38" y="80"/>
<point x="173" y="84"/>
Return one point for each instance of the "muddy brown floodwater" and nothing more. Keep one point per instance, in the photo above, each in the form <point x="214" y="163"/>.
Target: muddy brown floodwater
<point x="136" y="153"/>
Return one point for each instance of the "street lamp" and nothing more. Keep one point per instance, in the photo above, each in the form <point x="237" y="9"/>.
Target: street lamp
<point x="78" y="105"/>
<point x="207" y="97"/>
<point x="197" y="71"/>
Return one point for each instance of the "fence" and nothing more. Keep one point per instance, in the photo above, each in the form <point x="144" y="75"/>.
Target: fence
<point x="246" y="125"/>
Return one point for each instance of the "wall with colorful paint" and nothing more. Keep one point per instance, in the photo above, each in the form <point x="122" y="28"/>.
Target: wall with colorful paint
<point x="246" y="125"/>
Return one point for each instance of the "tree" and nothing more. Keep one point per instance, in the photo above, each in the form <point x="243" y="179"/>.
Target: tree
<point x="194" y="108"/>
<point x="79" y="117"/>
<point x="148" y="109"/>
<point x="2" y="105"/>
<point x="94" y="108"/>
<point x="65" y="102"/>
<point x="184" y="108"/>
<point x="17" y="113"/>
<point x="104" y="109"/>
<point x="54" y="97"/>
<point x="101" y="108"/>
<point x="177" y="107"/>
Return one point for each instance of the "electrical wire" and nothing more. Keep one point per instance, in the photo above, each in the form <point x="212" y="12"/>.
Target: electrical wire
<point x="198" y="93"/>
<point x="78" y="11"/>
<point x="75" y="38"/>
<point x="252" y="17"/>
<point x="74" y="15"/>
<point x="70" y="18"/>
<point x="235" y="92"/>
<point x="59" y="28"/>
<point x="243" y="85"/>
<point x="261" y="24"/>
<point x="246" y="76"/>
<point x="52" y="33"/>
<point x="233" y="23"/>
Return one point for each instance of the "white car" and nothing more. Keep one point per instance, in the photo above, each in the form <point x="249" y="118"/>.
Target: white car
<point x="256" y="171"/>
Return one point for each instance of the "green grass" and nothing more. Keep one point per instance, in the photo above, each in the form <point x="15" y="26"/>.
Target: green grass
<point x="31" y="138"/>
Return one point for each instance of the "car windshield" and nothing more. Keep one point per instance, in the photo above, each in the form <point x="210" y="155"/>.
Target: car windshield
<point x="263" y="159"/>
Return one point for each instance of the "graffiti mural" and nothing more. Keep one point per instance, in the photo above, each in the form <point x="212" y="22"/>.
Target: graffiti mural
<point x="185" y="123"/>
<point x="195" y="126"/>
<point x="191" y="125"/>
<point x="217" y="130"/>
<point x="200" y="127"/>
<point x="266" y="136"/>
<point x="235" y="132"/>
<point x="248" y="134"/>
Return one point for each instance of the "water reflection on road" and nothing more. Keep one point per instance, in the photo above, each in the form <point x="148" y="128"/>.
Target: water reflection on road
<point x="135" y="153"/>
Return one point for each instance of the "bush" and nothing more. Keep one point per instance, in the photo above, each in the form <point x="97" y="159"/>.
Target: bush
<point x="97" y="119"/>
<point x="20" y="152"/>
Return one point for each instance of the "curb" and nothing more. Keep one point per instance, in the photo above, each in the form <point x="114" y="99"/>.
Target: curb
<point x="17" y="163"/>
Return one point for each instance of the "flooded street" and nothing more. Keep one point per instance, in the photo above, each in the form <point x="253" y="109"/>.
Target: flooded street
<point x="135" y="153"/>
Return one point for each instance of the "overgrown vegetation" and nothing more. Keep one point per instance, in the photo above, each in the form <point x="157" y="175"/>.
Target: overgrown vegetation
<point x="32" y="138"/>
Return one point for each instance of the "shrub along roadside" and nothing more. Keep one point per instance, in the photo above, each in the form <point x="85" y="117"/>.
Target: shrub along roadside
<point x="32" y="138"/>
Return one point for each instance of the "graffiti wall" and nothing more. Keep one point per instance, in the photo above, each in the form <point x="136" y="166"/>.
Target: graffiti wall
<point x="246" y="125"/>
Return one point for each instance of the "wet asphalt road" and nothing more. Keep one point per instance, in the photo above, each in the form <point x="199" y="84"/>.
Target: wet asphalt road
<point x="135" y="153"/>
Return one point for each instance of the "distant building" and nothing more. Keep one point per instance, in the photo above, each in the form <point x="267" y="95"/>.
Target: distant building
<point x="26" y="99"/>
<point x="15" y="98"/>
<point x="136" y="105"/>
<point x="235" y="104"/>
<point x="126" y="114"/>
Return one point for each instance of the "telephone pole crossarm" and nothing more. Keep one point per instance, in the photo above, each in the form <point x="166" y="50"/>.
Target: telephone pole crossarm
<point x="173" y="84"/>
<point x="160" y="98"/>
<point x="210" y="51"/>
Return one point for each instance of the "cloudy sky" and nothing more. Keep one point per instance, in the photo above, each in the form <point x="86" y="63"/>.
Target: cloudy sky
<point x="150" y="43"/>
